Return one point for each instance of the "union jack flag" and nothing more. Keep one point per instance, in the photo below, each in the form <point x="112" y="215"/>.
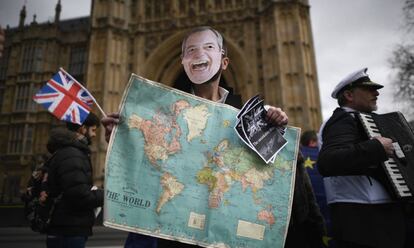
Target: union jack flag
<point x="65" y="98"/>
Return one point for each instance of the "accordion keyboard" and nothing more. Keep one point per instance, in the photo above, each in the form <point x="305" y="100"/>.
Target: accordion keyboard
<point x="392" y="168"/>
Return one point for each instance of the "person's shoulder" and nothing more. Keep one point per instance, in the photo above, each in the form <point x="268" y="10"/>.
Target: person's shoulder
<point x="340" y="117"/>
<point x="68" y="152"/>
<point x="340" y="114"/>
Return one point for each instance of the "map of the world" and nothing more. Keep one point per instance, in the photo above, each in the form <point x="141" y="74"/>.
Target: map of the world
<point x="176" y="169"/>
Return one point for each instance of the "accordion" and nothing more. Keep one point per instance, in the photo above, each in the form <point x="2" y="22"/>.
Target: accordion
<point x="399" y="168"/>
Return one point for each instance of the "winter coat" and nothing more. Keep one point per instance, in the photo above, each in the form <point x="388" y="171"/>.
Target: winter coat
<point x="347" y="151"/>
<point x="344" y="138"/>
<point x="70" y="174"/>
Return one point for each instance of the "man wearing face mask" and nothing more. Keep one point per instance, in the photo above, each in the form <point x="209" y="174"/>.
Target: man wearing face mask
<point x="204" y="57"/>
<point x="70" y="177"/>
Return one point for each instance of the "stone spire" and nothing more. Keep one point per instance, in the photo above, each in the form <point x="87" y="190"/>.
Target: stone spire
<point x="22" y="16"/>
<point x="58" y="9"/>
<point x="34" y="19"/>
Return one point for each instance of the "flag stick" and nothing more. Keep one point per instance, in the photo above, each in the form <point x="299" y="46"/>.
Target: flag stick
<point x="93" y="98"/>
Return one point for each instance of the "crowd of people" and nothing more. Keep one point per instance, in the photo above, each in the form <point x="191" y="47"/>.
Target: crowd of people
<point x="340" y="198"/>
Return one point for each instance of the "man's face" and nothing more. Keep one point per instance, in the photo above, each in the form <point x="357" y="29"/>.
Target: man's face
<point x="202" y="56"/>
<point x="92" y="131"/>
<point x="364" y="99"/>
<point x="89" y="133"/>
<point x="313" y="143"/>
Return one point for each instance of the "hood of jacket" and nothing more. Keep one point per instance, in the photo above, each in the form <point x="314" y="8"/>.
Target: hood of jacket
<point x="61" y="137"/>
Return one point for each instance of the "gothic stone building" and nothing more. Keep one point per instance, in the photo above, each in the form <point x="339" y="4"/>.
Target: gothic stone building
<point x="269" y="43"/>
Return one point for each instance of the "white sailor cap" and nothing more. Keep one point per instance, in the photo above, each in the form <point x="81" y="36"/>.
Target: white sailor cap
<point x="357" y="78"/>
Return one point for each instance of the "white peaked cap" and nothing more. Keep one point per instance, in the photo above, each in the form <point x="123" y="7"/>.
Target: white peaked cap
<point x="357" y="78"/>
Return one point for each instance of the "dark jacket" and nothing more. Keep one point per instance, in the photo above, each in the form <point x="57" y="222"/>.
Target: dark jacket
<point x="233" y="100"/>
<point x="347" y="150"/>
<point x="70" y="174"/>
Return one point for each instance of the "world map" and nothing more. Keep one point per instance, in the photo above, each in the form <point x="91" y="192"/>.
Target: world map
<point x="176" y="169"/>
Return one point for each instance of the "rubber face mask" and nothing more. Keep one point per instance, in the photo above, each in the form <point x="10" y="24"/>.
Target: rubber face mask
<point x="202" y="56"/>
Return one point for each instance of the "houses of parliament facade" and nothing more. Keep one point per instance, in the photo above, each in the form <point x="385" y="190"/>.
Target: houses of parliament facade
<point x="269" y="44"/>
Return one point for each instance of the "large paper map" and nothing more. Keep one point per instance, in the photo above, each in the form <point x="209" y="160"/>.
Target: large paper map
<point x="176" y="169"/>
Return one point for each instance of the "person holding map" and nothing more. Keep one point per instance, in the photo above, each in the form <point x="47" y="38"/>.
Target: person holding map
<point x="204" y="57"/>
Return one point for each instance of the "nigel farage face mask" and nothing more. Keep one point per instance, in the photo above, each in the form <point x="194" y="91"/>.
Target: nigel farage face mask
<point x="202" y="57"/>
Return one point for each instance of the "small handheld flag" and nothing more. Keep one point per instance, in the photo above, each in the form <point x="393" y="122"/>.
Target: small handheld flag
<point x="65" y="98"/>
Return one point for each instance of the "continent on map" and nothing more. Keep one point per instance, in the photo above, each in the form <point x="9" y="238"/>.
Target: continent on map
<point x="171" y="187"/>
<point x="196" y="118"/>
<point x="227" y="165"/>
<point x="156" y="131"/>
<point x="255" y="179"/>
<point x="205" y="176"/>
<point x="217" y="183"/>
<point x="267" y="216"/>
<point x="216" y="195"/>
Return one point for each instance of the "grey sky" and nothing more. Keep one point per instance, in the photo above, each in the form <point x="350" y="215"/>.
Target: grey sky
<point x="348" y="35"/>
<point x="44" y="10"/>
<point x="353" y="34"/>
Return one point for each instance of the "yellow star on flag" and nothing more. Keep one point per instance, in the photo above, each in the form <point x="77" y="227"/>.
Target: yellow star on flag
<point x="325" y="240"/>
<point x="309" y="163"/>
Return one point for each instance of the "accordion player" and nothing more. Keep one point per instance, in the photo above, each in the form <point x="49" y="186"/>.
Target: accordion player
<point x="399" y="168"/>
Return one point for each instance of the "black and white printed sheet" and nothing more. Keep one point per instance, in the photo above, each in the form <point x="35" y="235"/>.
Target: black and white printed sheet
<point x="262" y="137"/>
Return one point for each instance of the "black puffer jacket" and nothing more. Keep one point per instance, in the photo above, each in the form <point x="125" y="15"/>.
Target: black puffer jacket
<point x="70" y="174"/>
